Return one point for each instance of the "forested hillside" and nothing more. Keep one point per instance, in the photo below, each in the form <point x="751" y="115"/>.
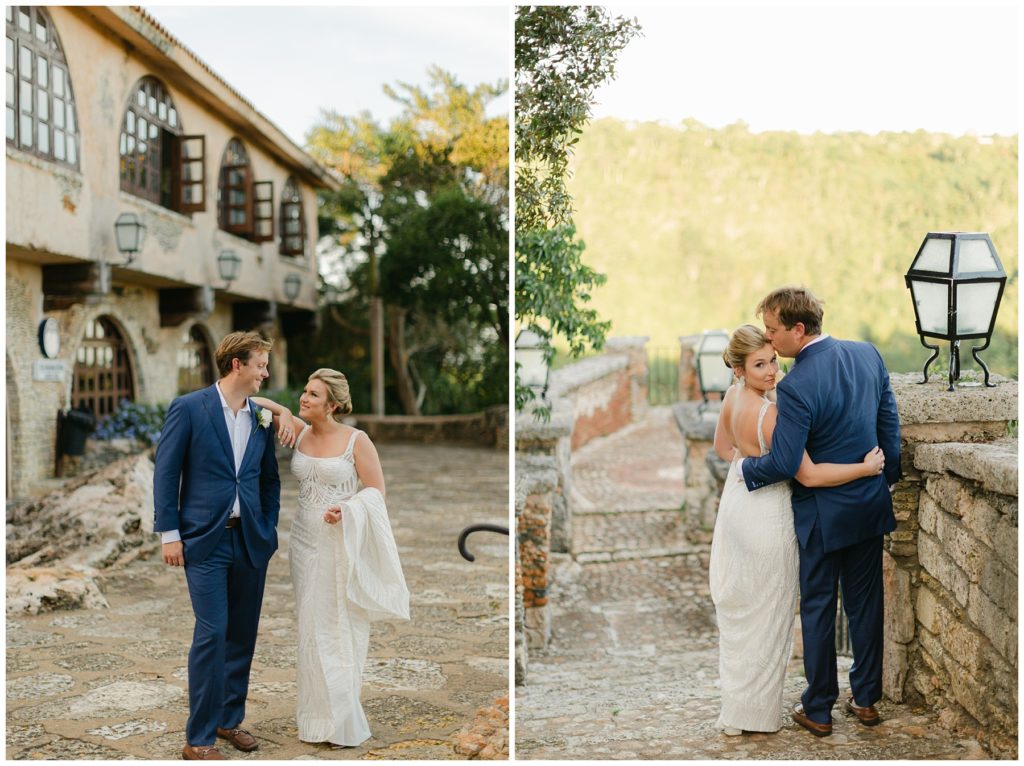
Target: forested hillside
<point x="693" y="225"/>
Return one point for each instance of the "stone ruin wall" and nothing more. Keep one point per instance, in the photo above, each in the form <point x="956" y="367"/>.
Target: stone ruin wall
<point x="591" y="398"/>
<point x="951" y="565"/>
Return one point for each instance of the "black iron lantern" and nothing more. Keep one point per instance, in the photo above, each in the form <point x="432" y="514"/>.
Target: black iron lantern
<point x="129" y="232"/>
<point x="713" y="374"/>
<point x="292" y="285"/>
<point x="228" y="264"/>
<point x="532" y="363"/>
<point x="956" y="281"/>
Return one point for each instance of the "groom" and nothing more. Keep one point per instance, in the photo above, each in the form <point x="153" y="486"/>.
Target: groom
<point x="217" y="494"/>
<point x="837" y="404"/>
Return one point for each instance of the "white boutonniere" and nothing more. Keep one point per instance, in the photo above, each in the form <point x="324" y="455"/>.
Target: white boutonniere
<point x="264" y="418"/>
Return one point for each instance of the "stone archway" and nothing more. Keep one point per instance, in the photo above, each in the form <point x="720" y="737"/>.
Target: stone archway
<point x="196" y="365"/>
<point x="104" y="367"/>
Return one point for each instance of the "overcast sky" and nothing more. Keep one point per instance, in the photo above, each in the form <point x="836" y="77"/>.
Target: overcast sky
<point x="829" y="68"/>
<point x="290" y="62"/>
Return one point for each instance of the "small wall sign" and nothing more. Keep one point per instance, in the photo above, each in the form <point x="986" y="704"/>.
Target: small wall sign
<point x="52" y="370"/>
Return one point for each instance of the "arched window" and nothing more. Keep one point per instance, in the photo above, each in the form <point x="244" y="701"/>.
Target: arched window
<point x="245" y="205"/>
<point x="293" y="222"/>
<point x="41" y="116"/>
<point x="103" y="374"/>
<point x="158" y="163"/>
<point x="195" y="361"/>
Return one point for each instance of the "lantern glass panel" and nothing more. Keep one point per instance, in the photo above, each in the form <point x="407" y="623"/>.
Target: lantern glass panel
<point x="532" y="369"/>
<point x="932" y="302"/>
<point x="976" y="255"/>
<point x="975" y="306"/>
<point x="935" y="256"/>
<point x="714" y="375"/>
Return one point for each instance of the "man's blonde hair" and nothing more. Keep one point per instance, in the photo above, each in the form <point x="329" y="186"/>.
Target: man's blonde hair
<point x="794" y="304"/>
<point x="239" y="345"/>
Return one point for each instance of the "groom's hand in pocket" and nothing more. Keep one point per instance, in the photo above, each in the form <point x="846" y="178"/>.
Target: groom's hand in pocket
<point x="174" y="553"/>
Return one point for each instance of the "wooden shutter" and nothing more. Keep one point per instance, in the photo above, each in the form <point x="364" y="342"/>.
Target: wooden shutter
<point x="236" y="200"/>
<point x="190" y="183"/>
<point x="263" y="211"/>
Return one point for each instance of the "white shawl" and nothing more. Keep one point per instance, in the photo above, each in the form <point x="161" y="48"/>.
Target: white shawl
<point x="375" y="579"/>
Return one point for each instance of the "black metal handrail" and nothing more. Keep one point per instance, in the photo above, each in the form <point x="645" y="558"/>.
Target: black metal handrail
<point x="477" y="528"/>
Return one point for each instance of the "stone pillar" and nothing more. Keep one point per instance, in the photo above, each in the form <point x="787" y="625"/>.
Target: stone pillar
<point x="634" y="347"/>
<point x="950" y="567"/>
<point x="705" y="472"/>
<point x="689" y="384"/>
<point x="543" y="517"/>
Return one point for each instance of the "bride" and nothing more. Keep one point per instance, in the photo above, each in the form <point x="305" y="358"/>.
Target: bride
<point x="343" y="558"/>
<point x="754" y="568"/>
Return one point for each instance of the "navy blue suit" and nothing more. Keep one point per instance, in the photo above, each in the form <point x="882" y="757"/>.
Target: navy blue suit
<point x="194" y="488"/>
<point x="837" y="403"/>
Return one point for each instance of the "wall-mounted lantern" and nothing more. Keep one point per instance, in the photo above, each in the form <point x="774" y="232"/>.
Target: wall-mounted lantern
<point x="956" y="281"/>
<point x="292" y="286"/>
<point x="228" y="265"/>
<point x="129" y="232"/>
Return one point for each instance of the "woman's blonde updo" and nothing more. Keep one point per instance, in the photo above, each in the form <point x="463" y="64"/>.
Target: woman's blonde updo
<point x="337" y="391"/>
<point x="744" y="341"/>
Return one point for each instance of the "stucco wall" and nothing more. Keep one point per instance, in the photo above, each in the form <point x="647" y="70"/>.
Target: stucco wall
<point x="59" y="210"/>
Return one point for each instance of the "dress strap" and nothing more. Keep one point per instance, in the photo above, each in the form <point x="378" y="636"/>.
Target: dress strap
<point x="760" y="422"/>
<point x="351" y="443"/>
<point x="301" y="434"/>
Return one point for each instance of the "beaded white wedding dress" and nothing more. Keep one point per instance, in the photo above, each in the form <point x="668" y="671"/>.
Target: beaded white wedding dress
<point x="754" y="574"/>
<point x="343" y="575"/>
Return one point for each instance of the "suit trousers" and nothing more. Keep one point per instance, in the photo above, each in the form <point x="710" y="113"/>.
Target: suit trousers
<point x="227" y="593"/>
<point x="858" y="570"/>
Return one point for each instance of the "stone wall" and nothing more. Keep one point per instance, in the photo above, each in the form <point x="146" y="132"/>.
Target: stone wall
<point x="543" y="521"/>
<point x="951" y="565"/>
<point x="704" y="471"/>
<point x="593" y="397"/>
<point x="488" y="428"/>
<point x="688" y="384"/>
<point x="34" y="404"/>
<point x="598" y="392"/>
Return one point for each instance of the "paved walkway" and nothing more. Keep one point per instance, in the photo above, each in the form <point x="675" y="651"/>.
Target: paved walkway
<point x="632" y="667"/>
<point x="111" y="684"/>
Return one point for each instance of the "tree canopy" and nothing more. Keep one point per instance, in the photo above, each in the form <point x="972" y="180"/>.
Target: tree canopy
<point x="563" y="53"/>
<point x="693" y="225"/>
<point x="421" y="221"/>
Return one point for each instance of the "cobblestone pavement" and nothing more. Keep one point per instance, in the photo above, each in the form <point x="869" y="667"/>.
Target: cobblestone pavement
<point x="632" y="667"/>
<point x="111" y="684"/>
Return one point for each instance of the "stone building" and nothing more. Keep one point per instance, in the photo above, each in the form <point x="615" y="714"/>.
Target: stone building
<point x="111" y="119"/>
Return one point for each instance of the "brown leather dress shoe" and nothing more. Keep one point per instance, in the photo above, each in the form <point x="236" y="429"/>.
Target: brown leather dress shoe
<point x="207" y="753"/>
<point x="815" y="728"/>
<point x="240" y="738"/>
<point x="866" y="715"/>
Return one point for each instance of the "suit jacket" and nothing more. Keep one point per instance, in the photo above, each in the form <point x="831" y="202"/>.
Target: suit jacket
<point x="837" y="404"/>
<point x="194" y="481"/>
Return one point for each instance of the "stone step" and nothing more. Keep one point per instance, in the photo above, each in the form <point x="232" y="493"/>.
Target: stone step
<point x="629" y="535"/>
<point x="631" y="554"/>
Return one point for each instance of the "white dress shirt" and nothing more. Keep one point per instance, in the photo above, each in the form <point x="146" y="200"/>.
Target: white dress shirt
<point x="239" y="429"/>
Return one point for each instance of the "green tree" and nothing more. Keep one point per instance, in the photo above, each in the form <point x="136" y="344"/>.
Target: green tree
<point x="418" y="224"/>
<point x="563" y="54"/>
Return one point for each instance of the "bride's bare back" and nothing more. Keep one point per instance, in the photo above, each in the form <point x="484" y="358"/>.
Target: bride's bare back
<point x="739" y="416"/>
